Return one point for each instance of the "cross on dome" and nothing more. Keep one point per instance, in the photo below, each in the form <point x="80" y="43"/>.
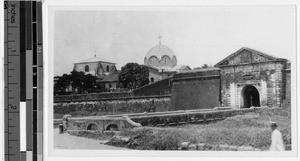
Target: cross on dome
<point x="159" y="37"/>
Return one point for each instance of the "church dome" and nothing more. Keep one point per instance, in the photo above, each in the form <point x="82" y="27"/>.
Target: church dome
<point x="159" y="51"/>
<point x="160" y="55"/>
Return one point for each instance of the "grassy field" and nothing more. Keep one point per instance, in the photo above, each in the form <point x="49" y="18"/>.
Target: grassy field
<point x="251" y="129"/>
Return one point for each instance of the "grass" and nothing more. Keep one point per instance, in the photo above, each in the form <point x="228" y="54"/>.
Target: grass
<point x="251" y="129"/>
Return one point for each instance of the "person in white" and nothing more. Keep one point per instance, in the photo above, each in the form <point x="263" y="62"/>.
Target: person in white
<point x="277" y="142"/>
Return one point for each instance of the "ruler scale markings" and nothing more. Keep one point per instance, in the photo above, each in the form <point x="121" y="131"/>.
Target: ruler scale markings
<point x="40" y="80"/>
<point x="6" y="102"/>
<point x="23" y="83"/>
<point x="13" y="46"/>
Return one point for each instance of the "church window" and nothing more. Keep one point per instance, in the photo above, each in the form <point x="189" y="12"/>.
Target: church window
<point x="107" y="68"/>
<point x="152" y="79"/>
<point x="87" y="68"/>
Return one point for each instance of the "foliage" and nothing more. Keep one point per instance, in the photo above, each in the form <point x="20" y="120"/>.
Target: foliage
<point x="204" y="66"/>
<point x="133" y="76"/>
<point x="84" y="83"/>
<point x="116" y="106"/>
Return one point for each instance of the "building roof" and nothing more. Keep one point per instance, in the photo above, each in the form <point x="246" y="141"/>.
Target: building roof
<point x="268" y="56"/>
<point x="93" y="59"/>
<point x="159" y="51"/>
<point x="180" y="67"/>
<point x="201" y="70"/>
<point x="177" y="68"/>
<point x="110" y="78"/>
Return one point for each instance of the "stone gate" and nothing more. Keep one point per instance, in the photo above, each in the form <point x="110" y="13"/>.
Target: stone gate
<point x="252" y="78"/>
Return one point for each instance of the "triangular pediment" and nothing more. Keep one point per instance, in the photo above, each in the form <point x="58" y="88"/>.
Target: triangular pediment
<point x="246" y="56"/>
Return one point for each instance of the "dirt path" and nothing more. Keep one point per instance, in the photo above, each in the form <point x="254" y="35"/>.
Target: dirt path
<point x="66" y="141"/>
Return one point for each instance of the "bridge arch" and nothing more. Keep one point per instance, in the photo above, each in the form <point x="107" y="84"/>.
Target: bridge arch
<point x="112" y="127"/>
<point x="92" y="126"/>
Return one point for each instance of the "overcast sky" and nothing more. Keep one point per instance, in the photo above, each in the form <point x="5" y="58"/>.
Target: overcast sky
<point x="197" y="35"/>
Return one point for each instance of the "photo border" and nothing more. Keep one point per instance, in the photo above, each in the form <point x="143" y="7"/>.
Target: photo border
<point x="49" y="8"/>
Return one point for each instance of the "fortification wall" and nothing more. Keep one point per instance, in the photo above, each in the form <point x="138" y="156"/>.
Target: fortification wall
<point x="162" y="87"/>
<point x="113" y="106"/>
<point x="196" y="90"/>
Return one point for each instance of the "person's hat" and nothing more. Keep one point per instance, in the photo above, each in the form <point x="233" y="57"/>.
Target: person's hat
<point x="273" y="123"/>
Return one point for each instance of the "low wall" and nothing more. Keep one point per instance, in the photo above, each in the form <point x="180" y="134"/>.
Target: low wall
<point x="114" y="106"/>
<point x="92" y="96"/>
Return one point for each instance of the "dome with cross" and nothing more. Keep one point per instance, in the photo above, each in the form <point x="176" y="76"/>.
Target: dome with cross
<point x="160" y="55"/>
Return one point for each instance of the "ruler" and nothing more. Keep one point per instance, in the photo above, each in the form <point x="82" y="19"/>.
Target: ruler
<point x="23" y="74"/>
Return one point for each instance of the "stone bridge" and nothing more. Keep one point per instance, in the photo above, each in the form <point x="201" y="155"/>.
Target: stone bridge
<point x="121" y="122"/>
<point x="99" y="123"/>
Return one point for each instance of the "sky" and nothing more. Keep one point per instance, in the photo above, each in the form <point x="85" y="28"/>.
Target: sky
<point x="197" y="35"/>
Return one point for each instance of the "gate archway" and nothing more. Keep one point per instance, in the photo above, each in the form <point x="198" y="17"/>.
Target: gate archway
<point x="249" y="97"/>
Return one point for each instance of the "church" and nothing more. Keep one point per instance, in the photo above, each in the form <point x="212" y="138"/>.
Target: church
<point x="162" y="63"/>
<point x="105" y="71"/>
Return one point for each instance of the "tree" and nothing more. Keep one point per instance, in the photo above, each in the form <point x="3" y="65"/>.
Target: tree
<point x="61" y="83"/>
<point x="204" y="66"/>
<point x="133" y="76"/>
<point x="89" y="83"/>
<point x="78" y="80"/>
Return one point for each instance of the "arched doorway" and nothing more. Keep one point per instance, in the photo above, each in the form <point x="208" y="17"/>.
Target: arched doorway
<point x="249" y="97"/>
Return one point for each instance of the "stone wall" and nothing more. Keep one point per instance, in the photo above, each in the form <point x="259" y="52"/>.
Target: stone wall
<point x="287" y="88"/>
<point x="196" y="90"/>
<point x="162" y="87"/>
<point x="266" y="77"/>
<point x="92" y="96"/>
<point x="114" y="106"/>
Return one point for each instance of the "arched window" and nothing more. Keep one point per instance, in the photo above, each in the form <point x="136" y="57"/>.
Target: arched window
<point x="152" y="79"/>
<point x="87" y="68"/>
<point x="107" y="68"/>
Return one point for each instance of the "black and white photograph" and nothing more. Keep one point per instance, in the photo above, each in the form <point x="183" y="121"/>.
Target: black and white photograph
<point x="174" y="78"/>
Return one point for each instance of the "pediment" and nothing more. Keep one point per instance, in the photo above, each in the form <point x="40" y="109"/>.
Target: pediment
<point x="246" y="56"/>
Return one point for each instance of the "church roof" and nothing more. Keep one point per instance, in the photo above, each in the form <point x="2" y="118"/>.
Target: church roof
<point x="159" y="51"/>
<point x="262" y="54"/>
<point x="93" y="59"/>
